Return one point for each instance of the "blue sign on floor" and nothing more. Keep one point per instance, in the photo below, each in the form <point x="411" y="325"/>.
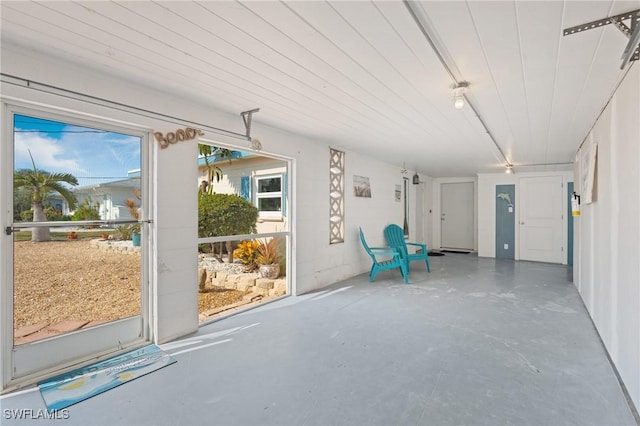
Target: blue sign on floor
<point x="75" y="386"/>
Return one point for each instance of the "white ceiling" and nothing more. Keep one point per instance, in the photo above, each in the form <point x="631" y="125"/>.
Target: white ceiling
<point x="361" y="75"/>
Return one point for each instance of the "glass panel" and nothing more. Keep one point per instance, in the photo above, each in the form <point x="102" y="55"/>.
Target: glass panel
<point x="72" y="277"/>
<point x="270" y="204"/>
<point x="273" y="184"/>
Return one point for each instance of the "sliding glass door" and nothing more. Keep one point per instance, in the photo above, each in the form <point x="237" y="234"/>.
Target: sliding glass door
<point x="76" y="281"/>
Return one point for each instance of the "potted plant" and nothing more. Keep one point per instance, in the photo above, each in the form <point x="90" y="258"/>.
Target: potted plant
<point x="134" y="211"/>
<point x="268" y="259"/>
<point x="135" y="234"/>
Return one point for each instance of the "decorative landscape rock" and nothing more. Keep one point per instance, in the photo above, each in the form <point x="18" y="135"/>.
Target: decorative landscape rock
<point x="115" y="246"/>
<point x="280" y="287"/>
<point x="202" y="278"/>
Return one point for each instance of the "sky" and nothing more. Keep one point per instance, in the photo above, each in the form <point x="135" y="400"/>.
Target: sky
<point x="91" y="155"/>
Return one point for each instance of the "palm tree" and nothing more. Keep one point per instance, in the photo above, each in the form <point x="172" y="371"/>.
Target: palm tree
<point x="42" y="184"/>
<point x="213" y="171"/>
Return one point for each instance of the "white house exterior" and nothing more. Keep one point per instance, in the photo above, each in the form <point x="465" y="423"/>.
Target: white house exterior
<point x="258" y="179"/>
<point x="111" y="196"/>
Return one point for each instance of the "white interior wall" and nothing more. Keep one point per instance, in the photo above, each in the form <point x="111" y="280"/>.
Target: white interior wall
<point x="607" y="234"/>
<point x="370" y="214"/>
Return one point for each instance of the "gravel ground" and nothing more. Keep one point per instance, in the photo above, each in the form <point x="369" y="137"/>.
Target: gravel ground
<point x="71" y="280"/>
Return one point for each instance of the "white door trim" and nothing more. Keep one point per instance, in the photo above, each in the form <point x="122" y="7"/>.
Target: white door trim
<point x="437" y="210"/>
<point x="26" y="363"/>
<point x="558" y="226"/>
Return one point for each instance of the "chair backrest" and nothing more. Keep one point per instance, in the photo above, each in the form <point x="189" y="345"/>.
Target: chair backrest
<point x="364" y="242"/>
<point x="365" y="245"/>
<point x="395" y="237"/>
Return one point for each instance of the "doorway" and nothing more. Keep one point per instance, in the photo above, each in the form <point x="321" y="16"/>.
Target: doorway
<point x="244" y="217"/>
<point x="76" y="284"/>
<point x="457" y="216"/>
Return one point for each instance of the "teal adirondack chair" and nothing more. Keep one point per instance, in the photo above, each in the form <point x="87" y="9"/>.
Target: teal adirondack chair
<point x="384" y="262"/>
<point x="395" y="238"/>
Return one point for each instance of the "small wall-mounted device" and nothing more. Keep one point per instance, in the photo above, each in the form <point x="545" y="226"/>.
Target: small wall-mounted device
<point x="416" y="179"/>
<point x="575" y="205"/>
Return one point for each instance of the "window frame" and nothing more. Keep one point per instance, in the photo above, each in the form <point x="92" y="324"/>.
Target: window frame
<point x="265" y="214"/>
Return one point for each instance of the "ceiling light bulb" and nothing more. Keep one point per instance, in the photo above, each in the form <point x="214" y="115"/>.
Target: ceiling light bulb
<point x="509" y="169"/>
<point x="459" y="89"/>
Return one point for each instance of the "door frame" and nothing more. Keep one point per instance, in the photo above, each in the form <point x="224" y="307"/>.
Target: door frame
<point x="28" y="356"/>
<point x="567" y="176"/>
<point x="437" y="196"/>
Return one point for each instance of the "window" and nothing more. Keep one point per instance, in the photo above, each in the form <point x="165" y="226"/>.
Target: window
<point x="269" y="195"/>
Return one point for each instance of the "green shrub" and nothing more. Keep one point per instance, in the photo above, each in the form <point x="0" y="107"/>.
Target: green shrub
<point x="124" y="232"/>
<point x="86" y="211"/>
<point x="26" y="216"/>
<point x="225" y="214"/>
<point x="21" y="203"/>
<point x="51" y="214"/>
<point x="55" y="215"/>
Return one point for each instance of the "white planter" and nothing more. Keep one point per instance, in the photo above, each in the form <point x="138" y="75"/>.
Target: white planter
<point x="270" y="271"/>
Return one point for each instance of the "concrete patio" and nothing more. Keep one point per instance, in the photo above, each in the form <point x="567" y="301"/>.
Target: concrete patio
<point x="475" y="342"/>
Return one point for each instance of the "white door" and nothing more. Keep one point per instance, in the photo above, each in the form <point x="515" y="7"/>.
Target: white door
<point x="541" y="219"/>
<point x="64" y="311"/>
<point x="457" y="215"/>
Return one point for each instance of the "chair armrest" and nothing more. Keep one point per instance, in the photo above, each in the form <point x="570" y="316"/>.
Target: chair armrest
<point x="423" y="247"/>
<point x="383" y="248"/>
<point x="418" y="245"/>
<point x="384" y="251"/>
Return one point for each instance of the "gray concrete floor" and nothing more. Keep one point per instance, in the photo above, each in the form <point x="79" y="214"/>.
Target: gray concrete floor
<point x="475" y="342"/>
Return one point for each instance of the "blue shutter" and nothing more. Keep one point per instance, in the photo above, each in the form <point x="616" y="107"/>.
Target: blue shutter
<point x="284" y="194"/>
<point x="245" y="187"/>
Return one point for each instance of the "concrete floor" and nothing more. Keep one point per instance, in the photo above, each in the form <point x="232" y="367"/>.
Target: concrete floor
<point x="475" y="342"/>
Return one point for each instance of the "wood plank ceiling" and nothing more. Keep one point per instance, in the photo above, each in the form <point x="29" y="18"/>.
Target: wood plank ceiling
<point x="361" y="75"/>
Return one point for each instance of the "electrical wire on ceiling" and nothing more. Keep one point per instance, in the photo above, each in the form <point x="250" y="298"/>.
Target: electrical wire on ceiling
<point x="613" y="92"/>
<point x="456" y="82"/>
<point x="46" y="88"/>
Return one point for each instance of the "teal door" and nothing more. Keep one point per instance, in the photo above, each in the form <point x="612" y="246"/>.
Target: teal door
<point x="505" y="221"/>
